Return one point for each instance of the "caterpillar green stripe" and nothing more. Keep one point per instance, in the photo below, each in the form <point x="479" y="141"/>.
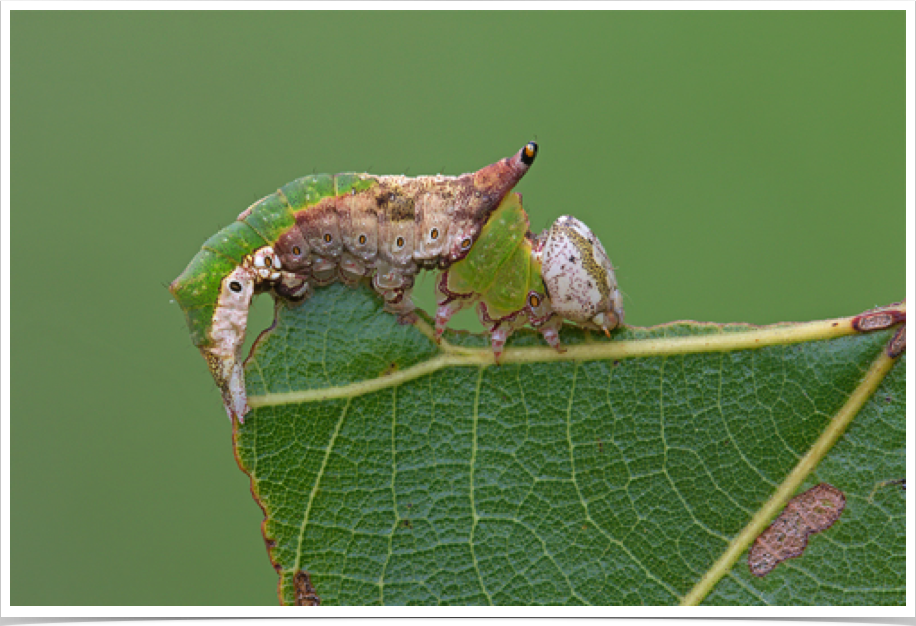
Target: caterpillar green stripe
<point x="354" y="227"/>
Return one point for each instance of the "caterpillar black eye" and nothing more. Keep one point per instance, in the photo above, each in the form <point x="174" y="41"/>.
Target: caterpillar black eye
<point x="529" y="152"/>
<point x="235" y="286"/>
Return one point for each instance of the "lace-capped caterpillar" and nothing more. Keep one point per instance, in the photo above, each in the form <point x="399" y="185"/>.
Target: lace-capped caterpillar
<point x="352" y="227"/>
<point x="323" y="228"/>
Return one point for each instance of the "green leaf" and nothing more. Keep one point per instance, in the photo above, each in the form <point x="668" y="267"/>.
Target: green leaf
<point x="632" y="471"/>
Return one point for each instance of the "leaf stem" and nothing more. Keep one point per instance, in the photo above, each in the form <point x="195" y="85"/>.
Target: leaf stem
<point x="458" y="356"/>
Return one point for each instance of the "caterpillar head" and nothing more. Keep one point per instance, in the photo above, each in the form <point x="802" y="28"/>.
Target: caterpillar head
<point x="579" y="276"/>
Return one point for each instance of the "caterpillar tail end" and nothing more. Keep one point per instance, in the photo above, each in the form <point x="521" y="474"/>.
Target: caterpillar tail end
<point x="235" y="399"/>
<point x="230" y="378"/>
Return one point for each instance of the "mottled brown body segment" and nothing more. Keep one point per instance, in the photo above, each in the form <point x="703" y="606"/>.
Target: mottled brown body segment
<point x="432" y="231"/>
<point x="396" y="201"/>
<point x="396" y="229"/>
<point x="397" y="226"/>
<point x="358" y="215"/>
<point x="323" y="230"/>
<point x="294" y="251"/>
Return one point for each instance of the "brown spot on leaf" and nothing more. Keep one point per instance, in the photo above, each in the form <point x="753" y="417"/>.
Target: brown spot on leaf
<point x="391" y="369"/>
<point x="305" y="591"/>
<point x="880" y="319"/>
<point x="897" y="345"/>
<point x="787" y="537"/>
<point x="877" y="320"/>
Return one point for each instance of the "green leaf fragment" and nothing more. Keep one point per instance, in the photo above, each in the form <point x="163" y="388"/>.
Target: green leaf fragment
<point x="603" y="481"/>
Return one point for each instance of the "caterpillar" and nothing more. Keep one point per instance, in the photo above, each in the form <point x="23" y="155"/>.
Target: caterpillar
<point x="354" y="227"/>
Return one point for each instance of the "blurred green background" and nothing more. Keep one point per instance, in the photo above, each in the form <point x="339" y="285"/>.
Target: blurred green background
<point x="738" y="166"/>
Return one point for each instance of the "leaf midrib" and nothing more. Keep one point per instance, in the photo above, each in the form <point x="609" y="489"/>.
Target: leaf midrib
<point x="457" y="356"/>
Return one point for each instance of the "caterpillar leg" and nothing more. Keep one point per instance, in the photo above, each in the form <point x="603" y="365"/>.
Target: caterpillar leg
<point x="500" y="328"/>
<point x="399" y="302"/>
<point x="352" y="270"/>
<point x="323" y="271"/>
<point x="395" y="288"/>
<point x="444" y="313"/>
<point x="551" y="332"/>
<point x="542" y="317"/>
<point x="536" y="312"/>
<point x="293" y="287"/>
<point x="448" y="303"/>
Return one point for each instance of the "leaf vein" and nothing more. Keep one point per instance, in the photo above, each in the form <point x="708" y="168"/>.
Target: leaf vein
<point x="314" y="492"/>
